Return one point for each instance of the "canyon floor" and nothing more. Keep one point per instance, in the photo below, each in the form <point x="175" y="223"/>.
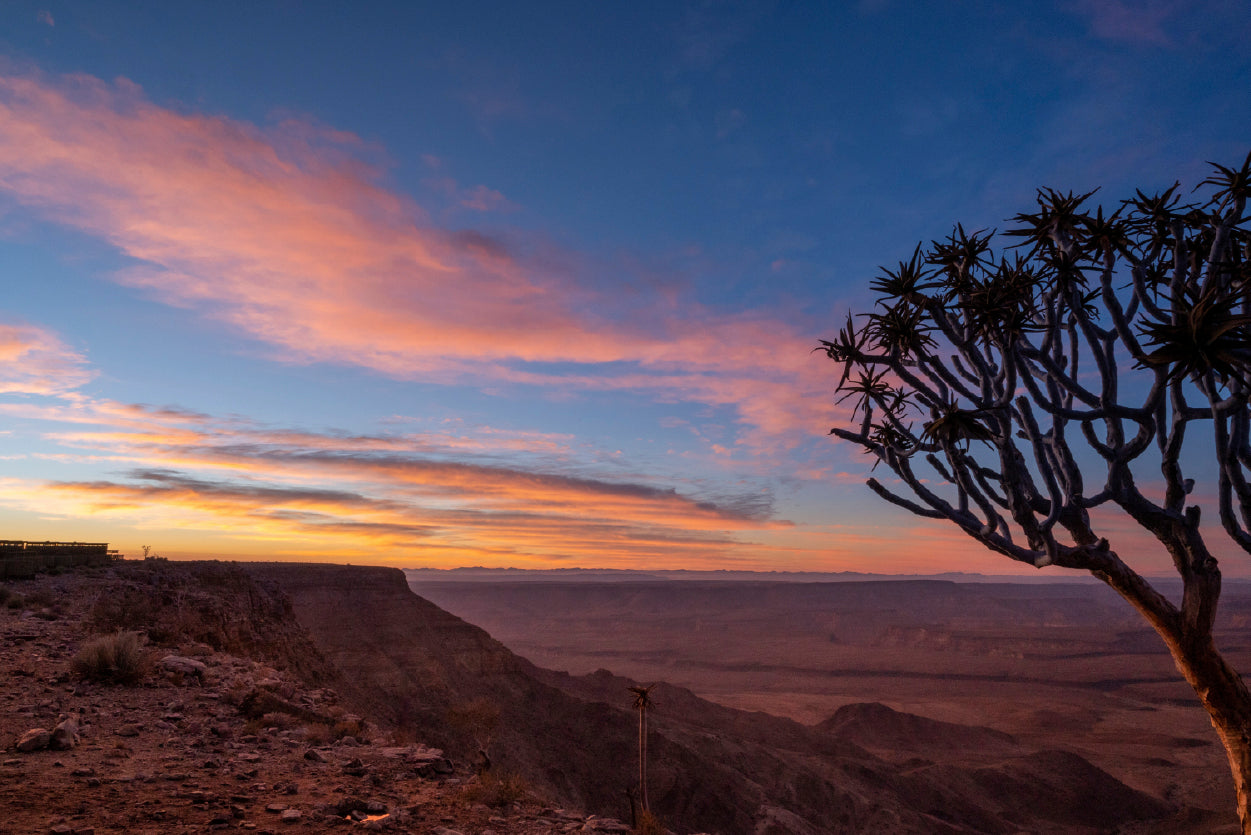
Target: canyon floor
<point x="1063" y="665"/>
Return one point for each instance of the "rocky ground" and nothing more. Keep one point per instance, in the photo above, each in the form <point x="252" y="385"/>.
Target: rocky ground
<point x="208" y="740"/>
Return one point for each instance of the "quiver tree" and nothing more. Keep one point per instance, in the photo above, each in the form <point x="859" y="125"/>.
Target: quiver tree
<point x="1098" y="364"/>
<point x="643" y="703"/>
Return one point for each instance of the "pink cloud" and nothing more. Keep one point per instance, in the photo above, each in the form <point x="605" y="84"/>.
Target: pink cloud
<point x="285" y="234"/>
<point x="478" y="198"/>
<point x="35" y="361"/>
<point x="483" y="199"/>
<point x="1139" y="21"/>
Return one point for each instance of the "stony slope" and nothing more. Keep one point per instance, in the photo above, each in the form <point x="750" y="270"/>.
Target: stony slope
<point x="253" y="743"/>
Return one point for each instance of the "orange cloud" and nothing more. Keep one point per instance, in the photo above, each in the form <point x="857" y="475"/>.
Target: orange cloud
<point x="437" y="498"/>
<point x="285" y="233"/>
<point x="420" y="468"/>
<point x="324" y="523"/>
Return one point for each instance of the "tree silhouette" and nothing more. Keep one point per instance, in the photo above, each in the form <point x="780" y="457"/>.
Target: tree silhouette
<point x="643" y="703"/>
<point x="1050" y="380"/>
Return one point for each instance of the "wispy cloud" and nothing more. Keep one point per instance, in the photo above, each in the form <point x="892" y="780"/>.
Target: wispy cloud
<point x="477" y="198"/>
<point x="1135" y="21"/>
<point x="34" y="360"/>
<point x="452" y="496"/>
<point x="284" y="233"/>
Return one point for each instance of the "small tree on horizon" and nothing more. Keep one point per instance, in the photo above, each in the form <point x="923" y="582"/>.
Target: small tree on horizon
<point x="1028" y="396"/>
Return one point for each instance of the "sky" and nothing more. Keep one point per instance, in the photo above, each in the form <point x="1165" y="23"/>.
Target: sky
<point x="525" y="284"/>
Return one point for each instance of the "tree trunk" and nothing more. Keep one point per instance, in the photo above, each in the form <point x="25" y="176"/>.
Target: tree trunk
<point x="1225" y="697"/>
<point x="643" y="759"/>
<point x="1221" y="690"/>
<point x="1187" y="632"/>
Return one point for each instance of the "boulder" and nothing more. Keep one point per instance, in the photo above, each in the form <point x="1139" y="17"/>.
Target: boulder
<point x="65" y="735"/>
<point x="348" y="805"/>
<point x="184" y="665"/>
<point x="36" y="739"/>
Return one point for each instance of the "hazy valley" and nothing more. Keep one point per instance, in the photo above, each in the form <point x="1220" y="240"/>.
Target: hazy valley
<point x="1062" y="665"/>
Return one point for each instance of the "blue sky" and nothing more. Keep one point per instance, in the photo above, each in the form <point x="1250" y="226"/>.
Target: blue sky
<point x="523" y="284"/>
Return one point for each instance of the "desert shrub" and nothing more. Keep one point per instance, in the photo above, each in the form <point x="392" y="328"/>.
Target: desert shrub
<point x="403" y="736"/>
<point x="285" y="689"/>
<point x="497" y="789"/>
<point x="117" y="658"/>
<point x="128" y="609"/>
<point x="15" y="602"/>
<point x="649" y="824"/>
<point x="477" y="719"/>
<point x="41" y="597"/>
<point x="350" y="726"/>
<point x="316" y="735"/>
<point x="5" y="593"/>
<point x="236" y="693"/>
<point x="166" y="615"/>
<point x="281" y="721"/>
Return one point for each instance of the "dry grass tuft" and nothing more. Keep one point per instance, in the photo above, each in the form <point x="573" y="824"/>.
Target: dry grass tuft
<point x="649" y="824"/>
<point x="316" y="735"/>
<point x="281" y="721"/>
<point x="497" y="789"/>
<point x="352" y="726"/>
<point x="118" y="658"/>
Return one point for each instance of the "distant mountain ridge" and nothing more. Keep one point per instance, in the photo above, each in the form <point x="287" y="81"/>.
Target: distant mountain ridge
<point x="470" y="573"/>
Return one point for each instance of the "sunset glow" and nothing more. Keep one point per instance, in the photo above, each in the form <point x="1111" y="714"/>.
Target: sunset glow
<point x="540" y="291"/>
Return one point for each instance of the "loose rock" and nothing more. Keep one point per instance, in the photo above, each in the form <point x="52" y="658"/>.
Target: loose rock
<point x="184" y="665"/>
<point x="36" y="739"/>
<point x="65" y="735"/>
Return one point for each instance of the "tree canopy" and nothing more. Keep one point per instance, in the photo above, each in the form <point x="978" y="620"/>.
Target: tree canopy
<point x="1098" y="364"/>
<point x="1114" y="331"/>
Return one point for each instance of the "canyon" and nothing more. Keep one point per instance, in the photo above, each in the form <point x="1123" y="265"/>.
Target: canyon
<point x="901" y="706"/>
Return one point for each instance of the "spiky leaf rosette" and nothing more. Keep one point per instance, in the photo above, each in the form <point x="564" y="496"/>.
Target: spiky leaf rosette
<point x="1206" y="334"/>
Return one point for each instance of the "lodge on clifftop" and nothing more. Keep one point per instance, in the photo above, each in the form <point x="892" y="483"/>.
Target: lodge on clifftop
<point x="20" y="559"/>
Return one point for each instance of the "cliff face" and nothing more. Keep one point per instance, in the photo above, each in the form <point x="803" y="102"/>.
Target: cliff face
<point x="404" y="657"/>
<point x="409" y="664"/>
